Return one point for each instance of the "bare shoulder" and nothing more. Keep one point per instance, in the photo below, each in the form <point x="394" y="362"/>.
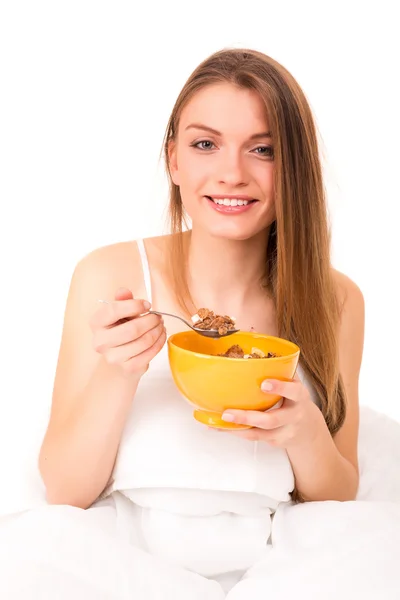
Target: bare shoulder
<point x="349" y="294"/>
<point x="118" y="262"/>
<point x="352" y="321"/>
<point x="116" y="254"/>
<point x="103" y="270"/>
<point x="352" y="315"/>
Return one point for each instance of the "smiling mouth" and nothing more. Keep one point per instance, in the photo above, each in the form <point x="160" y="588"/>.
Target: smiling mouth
<point x="231" y="201"/>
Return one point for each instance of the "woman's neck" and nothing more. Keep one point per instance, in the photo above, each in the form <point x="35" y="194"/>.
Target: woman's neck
<point x="226" y="273"/>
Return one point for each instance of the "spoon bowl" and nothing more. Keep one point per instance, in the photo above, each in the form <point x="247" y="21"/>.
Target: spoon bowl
<point x="210" y="333"/>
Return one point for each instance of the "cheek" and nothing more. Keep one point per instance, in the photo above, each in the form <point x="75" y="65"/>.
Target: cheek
<point x="266" y="179"/>
<point x="192" y="172"/>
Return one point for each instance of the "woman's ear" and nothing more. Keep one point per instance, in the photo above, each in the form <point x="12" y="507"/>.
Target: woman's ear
<point x="172" y="162"/>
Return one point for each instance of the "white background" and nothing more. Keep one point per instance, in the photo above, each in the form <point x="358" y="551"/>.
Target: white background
<point x="86" y="92"/>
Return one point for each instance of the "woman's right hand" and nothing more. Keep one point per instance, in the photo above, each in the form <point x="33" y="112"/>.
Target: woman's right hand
<point x="123" y="337"/>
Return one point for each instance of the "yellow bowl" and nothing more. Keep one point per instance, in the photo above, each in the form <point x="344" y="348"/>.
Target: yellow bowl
<point x="213" y="383"/>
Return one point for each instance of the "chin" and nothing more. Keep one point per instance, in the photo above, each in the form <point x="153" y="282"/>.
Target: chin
<point x="239" y="235"/>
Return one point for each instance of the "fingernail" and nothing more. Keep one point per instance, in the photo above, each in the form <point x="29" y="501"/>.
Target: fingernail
<point x="146" y="304"/>
<point x="267" y="386"/>
<point x="229" y="417"/>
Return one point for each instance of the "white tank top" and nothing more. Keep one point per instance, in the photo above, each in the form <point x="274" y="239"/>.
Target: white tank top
<point x="165" y="455"/>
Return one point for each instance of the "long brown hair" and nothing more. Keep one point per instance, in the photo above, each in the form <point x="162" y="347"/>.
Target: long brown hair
<point x="299" y="273"/>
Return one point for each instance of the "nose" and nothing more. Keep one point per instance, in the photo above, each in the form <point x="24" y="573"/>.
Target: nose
<point x="231" y="170"/>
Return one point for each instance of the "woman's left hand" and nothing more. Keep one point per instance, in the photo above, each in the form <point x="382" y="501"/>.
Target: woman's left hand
<point x="295" y="423"/>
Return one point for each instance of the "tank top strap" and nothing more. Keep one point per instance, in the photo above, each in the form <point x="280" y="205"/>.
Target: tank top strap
<point x="145" y="268"/>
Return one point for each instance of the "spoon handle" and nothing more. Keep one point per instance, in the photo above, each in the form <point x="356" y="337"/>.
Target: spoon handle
<point x="156" y="312"/>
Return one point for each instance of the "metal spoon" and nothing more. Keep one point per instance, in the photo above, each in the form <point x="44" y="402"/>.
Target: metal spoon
<point x="211" y="333"/>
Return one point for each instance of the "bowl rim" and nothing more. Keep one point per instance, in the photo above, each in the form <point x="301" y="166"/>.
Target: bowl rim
<point x="170" y="342"/>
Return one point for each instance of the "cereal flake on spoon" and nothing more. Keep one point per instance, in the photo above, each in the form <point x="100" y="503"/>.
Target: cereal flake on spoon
<point x="207" y="320"/>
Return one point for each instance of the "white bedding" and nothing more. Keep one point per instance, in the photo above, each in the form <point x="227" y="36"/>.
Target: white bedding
<point x="326" y="550"/>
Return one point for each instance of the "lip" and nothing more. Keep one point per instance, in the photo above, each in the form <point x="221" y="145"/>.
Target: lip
<point x="230" y="196"/>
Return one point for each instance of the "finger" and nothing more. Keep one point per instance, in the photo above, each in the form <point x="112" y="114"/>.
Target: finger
<point x="123" y="294"/>
<point x="263" y="420"/>
<point x="293" y="390"/>
<point x="125" y="332"/>
<point x="112" y="312"/>
<point x="121" y="354"/>
<point x="141" y="360"/>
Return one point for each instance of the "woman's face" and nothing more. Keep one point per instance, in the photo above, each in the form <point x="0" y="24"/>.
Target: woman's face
<point x="222" y="161"/>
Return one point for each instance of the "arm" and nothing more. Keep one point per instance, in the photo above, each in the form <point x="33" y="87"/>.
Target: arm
<point x="91" y="398"/>
<point x="79" y="450"/>
<point x="325" y="468"/>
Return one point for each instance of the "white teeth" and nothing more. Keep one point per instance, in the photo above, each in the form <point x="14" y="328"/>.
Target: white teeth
<point x="230" y="201"/>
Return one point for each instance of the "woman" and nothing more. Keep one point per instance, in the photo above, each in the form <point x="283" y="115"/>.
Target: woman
<point x="242" y="158"/>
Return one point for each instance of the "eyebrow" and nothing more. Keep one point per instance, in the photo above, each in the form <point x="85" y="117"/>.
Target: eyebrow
<point x="255" y="136"/>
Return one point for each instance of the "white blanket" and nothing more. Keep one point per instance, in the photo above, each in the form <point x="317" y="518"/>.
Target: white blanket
<point x="326" y="550"/>
<point x="320" y="550"/>
<point x="329" y="551"/>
